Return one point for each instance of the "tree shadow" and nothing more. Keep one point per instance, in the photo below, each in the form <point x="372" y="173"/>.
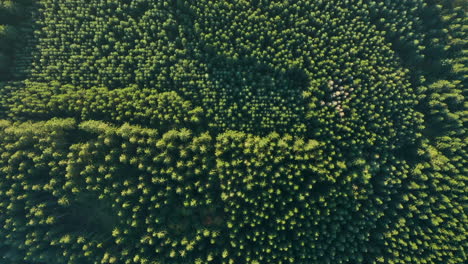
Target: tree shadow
<point x="253" y="97"/>
<point x="22" y="16"/>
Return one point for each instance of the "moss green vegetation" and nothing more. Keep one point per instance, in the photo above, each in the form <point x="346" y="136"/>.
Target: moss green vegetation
<point x="230" y="132"/>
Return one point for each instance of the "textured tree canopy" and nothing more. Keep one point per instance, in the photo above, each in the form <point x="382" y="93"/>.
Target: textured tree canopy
<point x="233" y="131"/>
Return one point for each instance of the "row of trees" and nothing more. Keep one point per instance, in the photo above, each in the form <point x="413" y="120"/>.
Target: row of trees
<point x="125" y="195"/>
<point x="247" y="69"/>
<point x="439" y="171"/>
<point x="42" y="101"/>
<point x="86" y="201"/>
<point x="95" y="193"/>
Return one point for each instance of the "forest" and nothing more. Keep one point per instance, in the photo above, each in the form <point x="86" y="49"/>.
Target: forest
<point x="233" y="131"/>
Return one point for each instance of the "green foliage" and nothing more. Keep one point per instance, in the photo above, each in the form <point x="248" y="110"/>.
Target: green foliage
<point x="39" y="101"/>
<point x="114" y="188"/>
<point x="233" y="132"/>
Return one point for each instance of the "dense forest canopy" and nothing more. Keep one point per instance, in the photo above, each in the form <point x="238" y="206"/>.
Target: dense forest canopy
<point x="234" y="131"/>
